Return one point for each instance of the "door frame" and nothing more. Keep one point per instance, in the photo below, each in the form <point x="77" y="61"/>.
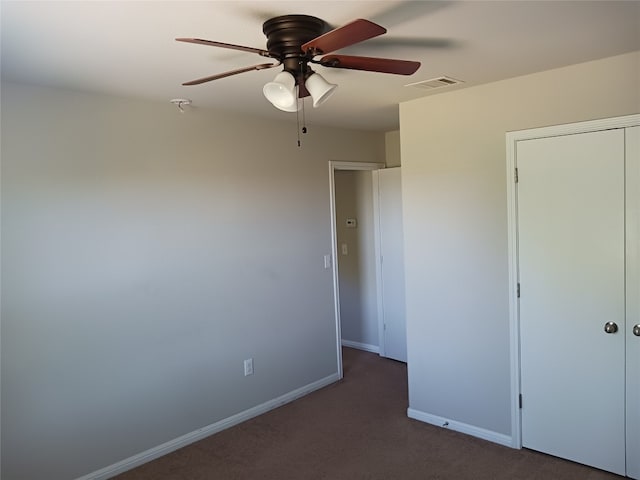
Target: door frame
<point x="512" y="138"/>
<point x="333" y="166"/>
<point x="375" y="179"/>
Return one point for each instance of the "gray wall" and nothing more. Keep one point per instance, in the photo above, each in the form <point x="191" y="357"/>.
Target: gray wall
<point x="455" y="221"/>
<point x="145" y="254"/>
<point x="357" y="274"/>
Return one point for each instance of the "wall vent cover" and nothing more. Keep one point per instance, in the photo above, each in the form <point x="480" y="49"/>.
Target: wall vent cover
<point x="437" y="82"/>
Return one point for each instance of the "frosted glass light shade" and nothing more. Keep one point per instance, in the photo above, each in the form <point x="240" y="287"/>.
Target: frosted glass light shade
<point x="281" y="92"/>
<point x="294" y="107"/>
<point x="319" y="89"/>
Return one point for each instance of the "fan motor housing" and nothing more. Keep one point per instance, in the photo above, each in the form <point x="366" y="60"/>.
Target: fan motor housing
<point x="286" y="35"/>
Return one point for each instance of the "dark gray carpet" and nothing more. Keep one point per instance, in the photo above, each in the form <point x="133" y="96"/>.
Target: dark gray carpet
<point x="355" y="429"/>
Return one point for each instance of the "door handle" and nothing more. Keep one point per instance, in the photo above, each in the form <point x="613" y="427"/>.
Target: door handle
<point x="611" y="327"/>
<point x="636" y="330"/>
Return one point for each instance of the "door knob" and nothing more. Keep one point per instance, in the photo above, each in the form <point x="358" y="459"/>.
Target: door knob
<point x="610" y="327"/>
<point x="636" y="330"/>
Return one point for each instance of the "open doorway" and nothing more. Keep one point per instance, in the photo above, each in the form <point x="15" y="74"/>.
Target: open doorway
<point x="356" y="259"/>
<point x="366" y="219"/>
<point x="344" y="174"/>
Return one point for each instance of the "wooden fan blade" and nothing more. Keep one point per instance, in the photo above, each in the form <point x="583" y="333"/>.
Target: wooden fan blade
<point x="341" y="37"/>
<point x="260" y="66"/>
<point x="382" y="65"/>
<point x="211" y="43"/>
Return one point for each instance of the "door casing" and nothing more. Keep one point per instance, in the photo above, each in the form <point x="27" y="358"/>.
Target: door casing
<point x="333" y="166"/>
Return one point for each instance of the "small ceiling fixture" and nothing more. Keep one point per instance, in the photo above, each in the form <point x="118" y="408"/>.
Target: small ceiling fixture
<point x="180" y="102"/>
<point x="294" y="41"/>
<point x="282" y="92"/>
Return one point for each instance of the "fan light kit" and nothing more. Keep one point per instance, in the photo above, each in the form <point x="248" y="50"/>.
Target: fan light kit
<point x="294" y="41"/>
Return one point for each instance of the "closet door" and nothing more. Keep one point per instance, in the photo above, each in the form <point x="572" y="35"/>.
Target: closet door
<point x="632" y="143"/>
<point x="571" y="253"/>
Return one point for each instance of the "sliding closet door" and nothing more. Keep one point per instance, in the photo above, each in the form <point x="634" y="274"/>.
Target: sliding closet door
<point x="632" y="142"/>
<point x="571" y="241"/>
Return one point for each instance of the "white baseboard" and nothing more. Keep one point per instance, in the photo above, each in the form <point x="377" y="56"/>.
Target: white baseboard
<point x="184" y="440"/>
<point x="489" y="435"/>
<point x="361" y="346"/>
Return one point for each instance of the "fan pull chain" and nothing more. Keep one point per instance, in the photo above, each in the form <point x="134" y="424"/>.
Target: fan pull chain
<point x="304" y="121"/>
<point x="298" y="118"/>
<point x="298" y="100"/>
<point x="304" y="118"/>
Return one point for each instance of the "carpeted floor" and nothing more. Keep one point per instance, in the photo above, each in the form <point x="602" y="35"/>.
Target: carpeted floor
<point x="355" y="429"/>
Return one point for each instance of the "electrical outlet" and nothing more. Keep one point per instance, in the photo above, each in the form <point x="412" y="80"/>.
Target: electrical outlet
<point x="248" y="367"/>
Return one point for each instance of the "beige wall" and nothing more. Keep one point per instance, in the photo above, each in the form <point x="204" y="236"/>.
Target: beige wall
<point x="455" y="220"/>
<point x="392" y="149"/>
<point x="146" y="254"/>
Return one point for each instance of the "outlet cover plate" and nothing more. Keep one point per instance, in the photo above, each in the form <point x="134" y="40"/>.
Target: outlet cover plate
<point x="248" y="367"/>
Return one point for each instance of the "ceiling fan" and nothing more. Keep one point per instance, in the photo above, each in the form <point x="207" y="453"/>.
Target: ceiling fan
<point x="294" y="41"/>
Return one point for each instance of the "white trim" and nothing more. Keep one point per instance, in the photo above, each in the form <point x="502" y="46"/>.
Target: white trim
<point x="485" y="434"/>
<point x="512" y="138"/>
<point x="334" y="265"/>
<point x="578" y="127"/>
<point x="204" y="432"/>
<point x="361" y="346"/>
<point x="356" y="165"/>
<point x="375" y="178"/>
<point x="514" y="314"/>
<point x="333" y="166"/>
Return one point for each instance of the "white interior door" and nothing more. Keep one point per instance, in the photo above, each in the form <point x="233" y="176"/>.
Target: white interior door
<point x="571" y="250"/>
<point x="391" y="245"/>
<point x="632" y="143"/>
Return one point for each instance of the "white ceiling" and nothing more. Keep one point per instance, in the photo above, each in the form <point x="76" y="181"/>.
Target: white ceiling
<point x="127" y="48"/>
